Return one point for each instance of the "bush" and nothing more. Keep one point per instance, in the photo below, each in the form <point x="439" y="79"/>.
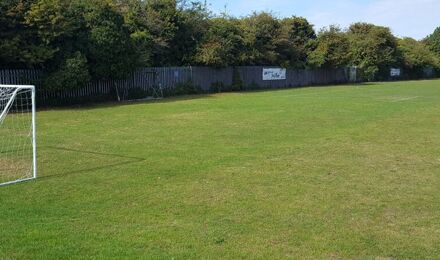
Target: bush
<point x="73" y="74"/>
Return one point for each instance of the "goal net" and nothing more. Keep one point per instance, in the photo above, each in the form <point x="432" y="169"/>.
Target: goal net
<point x="17" y="134"/>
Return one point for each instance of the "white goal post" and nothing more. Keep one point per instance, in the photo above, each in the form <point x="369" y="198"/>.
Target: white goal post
<point x="18" y="150"/>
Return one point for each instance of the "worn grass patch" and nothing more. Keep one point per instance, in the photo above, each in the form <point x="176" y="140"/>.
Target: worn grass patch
<point x="335" y="172"/>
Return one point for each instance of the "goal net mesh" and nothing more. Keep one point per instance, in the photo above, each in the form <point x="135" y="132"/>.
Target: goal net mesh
<point x="16" y="134"/>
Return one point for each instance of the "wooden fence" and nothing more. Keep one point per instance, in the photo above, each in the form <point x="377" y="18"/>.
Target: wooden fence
<point x="143" y="81"/>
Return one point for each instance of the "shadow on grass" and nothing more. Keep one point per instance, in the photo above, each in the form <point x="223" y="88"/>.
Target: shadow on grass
<point x="172" y="99"/>
<point x="109" y="104"/>
<point x="130" y="160"/>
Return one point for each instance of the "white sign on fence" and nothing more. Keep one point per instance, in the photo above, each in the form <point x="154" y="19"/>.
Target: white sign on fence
<point x="395" y="72"/>
<point x="274" y="74"/>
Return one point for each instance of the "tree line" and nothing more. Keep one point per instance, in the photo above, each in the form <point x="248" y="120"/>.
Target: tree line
<point x="75" y="41"/>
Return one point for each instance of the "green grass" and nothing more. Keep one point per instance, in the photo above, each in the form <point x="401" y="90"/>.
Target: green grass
<point x="334" y="172"/>
<point x="16" y="153"/>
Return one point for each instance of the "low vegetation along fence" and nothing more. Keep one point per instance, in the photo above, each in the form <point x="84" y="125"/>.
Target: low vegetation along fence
<point x="147" y="82"/>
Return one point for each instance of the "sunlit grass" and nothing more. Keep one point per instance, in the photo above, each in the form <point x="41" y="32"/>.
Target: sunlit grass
<point x="334" y="172"/>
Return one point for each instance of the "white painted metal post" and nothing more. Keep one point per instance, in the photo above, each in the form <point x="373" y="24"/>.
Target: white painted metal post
<point x="34" y="133"/>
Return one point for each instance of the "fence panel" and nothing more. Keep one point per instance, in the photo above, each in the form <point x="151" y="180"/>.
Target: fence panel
<point x="253" y="78"/>
<point x="144" y="79"/>
<point x="205" y="77"/>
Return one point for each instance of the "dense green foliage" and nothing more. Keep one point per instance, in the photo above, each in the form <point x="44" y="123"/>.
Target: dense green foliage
<point x="315" y="173"/>
<point x="434" y="41"/>
<point x="222" y="44"/>
<point x="107" y="39"/>
<point x="373" y="49"/>
<point x="332" y="49"/>
<point x="19" y="42"/>
<point x="72" y="73"/>
<point x="417" y="57"/>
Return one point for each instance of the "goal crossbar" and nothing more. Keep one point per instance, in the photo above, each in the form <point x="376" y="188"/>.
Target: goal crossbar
<point x="18" y="86"/>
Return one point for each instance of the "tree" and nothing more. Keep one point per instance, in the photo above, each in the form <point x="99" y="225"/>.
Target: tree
<point x="110" y="51"/>
<point x="222" y="44"/>
<point x="161" y="23"/>
<point x="260" y="33"/>
<point x="416" y="56"/>
<point x="332" y="49"/>
<point x="434" y="41"/>
<point x="77" y="40"/>
<point x="136" y="20"/>
<point x="192" y="22"/>
<point x="52" y="20"/>
<point x="293" y="42"/>
<point x="59" y="26"/>
<point x="19" y="44"/>
<point x="373" y="49"/>
<point x="86" y="38"/>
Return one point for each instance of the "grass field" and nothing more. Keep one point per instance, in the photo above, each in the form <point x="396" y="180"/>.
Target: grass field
<point x="334" y="172"/>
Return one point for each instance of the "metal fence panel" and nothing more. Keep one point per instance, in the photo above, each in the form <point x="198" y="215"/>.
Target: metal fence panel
<point x="205" y="78"/>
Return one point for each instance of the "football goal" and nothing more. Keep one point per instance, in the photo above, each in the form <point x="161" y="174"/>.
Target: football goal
<point x="17" y="134"/>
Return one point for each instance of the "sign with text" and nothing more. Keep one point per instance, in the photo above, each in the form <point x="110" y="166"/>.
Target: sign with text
<point x="274" y="74"/>
<point x="395" y="72"/>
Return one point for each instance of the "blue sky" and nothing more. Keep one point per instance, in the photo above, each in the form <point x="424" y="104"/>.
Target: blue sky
<point x="412" y="18"/>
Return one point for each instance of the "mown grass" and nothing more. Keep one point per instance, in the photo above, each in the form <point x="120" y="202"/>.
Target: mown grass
<point x="334" y="172"/>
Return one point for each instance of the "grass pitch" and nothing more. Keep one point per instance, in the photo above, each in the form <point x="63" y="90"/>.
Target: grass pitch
<point x="334" y="172"/>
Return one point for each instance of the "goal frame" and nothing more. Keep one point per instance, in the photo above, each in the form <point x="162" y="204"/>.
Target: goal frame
<point x="34" y="133"/>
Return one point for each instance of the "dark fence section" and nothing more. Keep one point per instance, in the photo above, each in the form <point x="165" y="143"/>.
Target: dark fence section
<point x="143" y="82"/>
<point x="252" y="78"/>
<point x="20" y="77"/>
<point x="205" y="78"/>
